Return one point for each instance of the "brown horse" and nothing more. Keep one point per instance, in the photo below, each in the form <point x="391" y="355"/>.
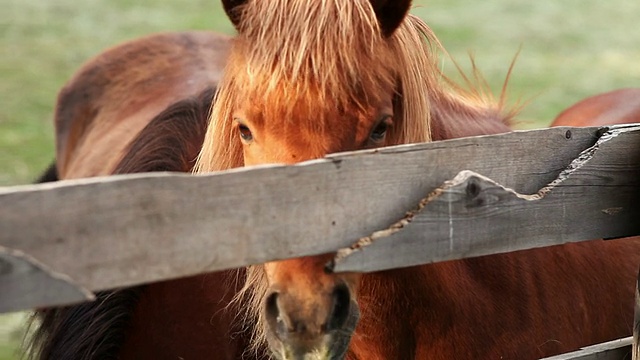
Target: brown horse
<point x="304" y="79"/>
<point x="142" y="106"/>
<point x="614" y="107"/>
<point x="309" y="78"/>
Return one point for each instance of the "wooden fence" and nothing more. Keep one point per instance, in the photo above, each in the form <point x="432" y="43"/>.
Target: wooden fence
<point x="379" y="209"/>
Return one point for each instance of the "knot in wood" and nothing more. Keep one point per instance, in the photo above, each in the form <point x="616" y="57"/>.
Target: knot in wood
<point x="473" y="188"/>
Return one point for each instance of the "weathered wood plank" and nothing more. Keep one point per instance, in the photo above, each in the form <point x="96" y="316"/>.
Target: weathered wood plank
<point x="597" y="196"/>
<point x="24" y="278"/>
<point x="612" y="350"/>
<point x="125" y="230"/>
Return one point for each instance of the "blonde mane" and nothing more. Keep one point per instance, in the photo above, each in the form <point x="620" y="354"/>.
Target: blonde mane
<point x="330" y="51"/>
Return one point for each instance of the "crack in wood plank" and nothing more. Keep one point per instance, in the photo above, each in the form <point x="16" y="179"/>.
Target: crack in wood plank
<point x="14" y="263"/>
<point x="605" y="134"/>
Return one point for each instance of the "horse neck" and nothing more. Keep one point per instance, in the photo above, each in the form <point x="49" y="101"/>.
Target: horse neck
<point x="401" y="307"/>
<point x="454" y="116"/>
<point x="418" y="294"/>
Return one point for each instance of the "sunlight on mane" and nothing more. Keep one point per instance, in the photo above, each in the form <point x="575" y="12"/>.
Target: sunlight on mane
<point x="321" y="56"/>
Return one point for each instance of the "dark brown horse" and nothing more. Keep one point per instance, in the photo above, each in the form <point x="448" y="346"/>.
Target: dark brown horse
<point x="304" y="79"/>
<point x="142" y="106"/>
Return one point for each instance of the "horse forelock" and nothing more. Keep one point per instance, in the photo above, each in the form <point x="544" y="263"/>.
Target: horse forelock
<point x="312" y="51"/>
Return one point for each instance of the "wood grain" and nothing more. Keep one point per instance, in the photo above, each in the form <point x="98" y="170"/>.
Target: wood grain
<point x="597" y="196"/>
<point x="103" y="233"/>
<point x="25" y="280"/>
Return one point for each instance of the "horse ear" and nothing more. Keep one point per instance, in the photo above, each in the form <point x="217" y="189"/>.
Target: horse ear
<point x="390" y="13"/>
<point x="233" y="8"/>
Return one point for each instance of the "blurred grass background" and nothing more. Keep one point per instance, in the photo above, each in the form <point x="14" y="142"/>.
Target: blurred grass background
<point x="570" y="49"/>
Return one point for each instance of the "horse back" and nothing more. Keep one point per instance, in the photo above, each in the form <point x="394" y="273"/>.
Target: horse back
<point x="615" y="107"/>
<point x="116" y="94"/>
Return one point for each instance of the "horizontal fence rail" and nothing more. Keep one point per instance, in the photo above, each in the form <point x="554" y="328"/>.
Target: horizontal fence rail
<point x="384" y="208"/>
<point x="613" y="350"/>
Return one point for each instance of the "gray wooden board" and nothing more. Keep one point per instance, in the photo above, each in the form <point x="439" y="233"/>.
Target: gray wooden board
<point x="24" y="278"/>
<point x="612" y="350"/>
<point x="131" y="229"/>
<point x="596" y="197"/>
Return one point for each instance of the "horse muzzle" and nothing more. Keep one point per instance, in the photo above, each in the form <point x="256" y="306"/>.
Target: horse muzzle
<point x="292" y="338"/>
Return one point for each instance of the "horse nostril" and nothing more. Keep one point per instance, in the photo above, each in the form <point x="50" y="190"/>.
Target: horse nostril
<point x="341" y="306"/>
<point x="272" y="305"/>
<point x="272" y="312"/>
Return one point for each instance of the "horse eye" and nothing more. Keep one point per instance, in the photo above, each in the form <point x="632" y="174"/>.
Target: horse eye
<point x="380" y="131"/>
<point x="245" y="132"/>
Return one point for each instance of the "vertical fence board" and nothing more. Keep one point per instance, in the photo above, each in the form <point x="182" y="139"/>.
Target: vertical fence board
<point x="636" y="323"/>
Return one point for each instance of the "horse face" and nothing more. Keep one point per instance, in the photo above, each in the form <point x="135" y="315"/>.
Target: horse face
<point x="305" y="80"/>
<point x="306" y="309"/>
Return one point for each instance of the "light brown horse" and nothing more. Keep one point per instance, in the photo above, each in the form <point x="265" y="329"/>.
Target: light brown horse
<point x="303" y="79"/>
<point x="307" y="78"/>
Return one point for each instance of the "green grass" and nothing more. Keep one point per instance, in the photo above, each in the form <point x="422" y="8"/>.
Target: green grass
<point x="11" y="334"/>
<point x="570" y="49"/>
